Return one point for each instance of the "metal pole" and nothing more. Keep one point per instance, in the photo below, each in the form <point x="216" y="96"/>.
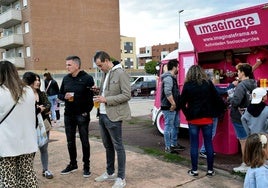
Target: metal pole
<point x="180" y="11"/>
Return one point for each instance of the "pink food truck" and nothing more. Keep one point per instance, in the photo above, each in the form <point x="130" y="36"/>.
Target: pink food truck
<point x="239" y="32"/>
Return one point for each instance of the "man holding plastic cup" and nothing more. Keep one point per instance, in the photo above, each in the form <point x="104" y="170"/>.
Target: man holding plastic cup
<point x="76" y="92"/>
<point x="115" y="92"/>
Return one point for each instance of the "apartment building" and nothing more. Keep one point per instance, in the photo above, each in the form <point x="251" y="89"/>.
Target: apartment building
<point x="39" y="35"/>
<point x="128" y="52"/>
<point x="155" y="52"/>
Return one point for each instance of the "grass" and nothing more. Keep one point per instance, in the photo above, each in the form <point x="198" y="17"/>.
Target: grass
<point x="169" y="157"/>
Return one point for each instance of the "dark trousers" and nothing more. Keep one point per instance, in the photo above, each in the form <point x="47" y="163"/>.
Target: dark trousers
<point x="71" y="124"/>
<point x="111" y="133"/>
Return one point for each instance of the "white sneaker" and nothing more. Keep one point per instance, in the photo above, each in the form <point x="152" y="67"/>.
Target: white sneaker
<point x="242" y="168"/>
<point x="105" y="176"/>
<point x="119" y="183"/>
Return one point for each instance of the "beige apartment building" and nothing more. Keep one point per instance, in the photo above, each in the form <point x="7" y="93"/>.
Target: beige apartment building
<point x="40" y="34"/>
<point x="128" y="52"/>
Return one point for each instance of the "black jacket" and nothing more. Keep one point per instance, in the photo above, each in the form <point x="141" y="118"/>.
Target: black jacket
<point x="83" y="96"/>
<point x="53" y="88"/>
<point x="199" y="101"/>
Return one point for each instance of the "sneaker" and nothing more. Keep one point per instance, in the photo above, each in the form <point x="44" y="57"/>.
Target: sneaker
<point x="86" y="173"/>
<point x="169" y="150"/>
<point x="70" y="168"/>
<point x="242" y="168"/>
<point x="119" y="183"/>
<point x="203" y="155"/>
<point x="105" y="176"/>
<point x="177" y="148"/>
<point x="192" y="173"/>
<point x="47" y="174"/>
<point x="210" y="173"/>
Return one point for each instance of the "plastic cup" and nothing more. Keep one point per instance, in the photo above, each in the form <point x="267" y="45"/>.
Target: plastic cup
<point x="96" y="103"/>
<point x="71" y="99"/>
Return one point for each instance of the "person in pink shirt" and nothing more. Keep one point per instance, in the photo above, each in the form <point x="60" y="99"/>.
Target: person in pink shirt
<point x="227" y="68"/>
<point x="258" y="59"/>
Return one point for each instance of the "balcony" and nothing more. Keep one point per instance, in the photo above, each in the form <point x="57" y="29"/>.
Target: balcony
<point x="19" y="62"/>
<point x="11" y="41"/>
<point x="6" y="2"/>
<point x="10" y="18"/>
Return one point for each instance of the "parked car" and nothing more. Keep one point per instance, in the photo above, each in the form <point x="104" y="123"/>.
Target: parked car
<point x="136" y="79"/>
<point x="144" y="88"/>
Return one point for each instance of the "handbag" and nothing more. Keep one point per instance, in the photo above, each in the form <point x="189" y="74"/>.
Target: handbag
<point x="42" y="138"/>
<point x="47" y="125"/>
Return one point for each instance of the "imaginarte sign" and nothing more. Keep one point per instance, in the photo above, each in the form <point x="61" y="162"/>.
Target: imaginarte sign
<point x="237" y="29"/>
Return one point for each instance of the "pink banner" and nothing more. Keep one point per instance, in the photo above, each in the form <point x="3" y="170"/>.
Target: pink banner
<point x="237" y="29"/>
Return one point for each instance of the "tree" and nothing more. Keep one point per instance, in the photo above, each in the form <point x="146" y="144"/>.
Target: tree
<point x="150" y="67"/>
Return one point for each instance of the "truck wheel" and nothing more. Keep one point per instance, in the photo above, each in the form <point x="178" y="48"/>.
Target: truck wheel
<point x="160" y="122"/>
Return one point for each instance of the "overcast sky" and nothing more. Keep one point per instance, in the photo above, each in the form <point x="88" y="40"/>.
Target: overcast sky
<point x="157" y="21"/>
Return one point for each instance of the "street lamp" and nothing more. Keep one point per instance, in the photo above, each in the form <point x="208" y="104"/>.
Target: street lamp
<point x="180" y="11"/>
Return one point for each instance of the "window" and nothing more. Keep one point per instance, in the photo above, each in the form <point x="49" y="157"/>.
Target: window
<point x="26" y="27"/>
<point x="128" y="47"/>
<point x="25" y="3"/>
<point x="28" y="51"/>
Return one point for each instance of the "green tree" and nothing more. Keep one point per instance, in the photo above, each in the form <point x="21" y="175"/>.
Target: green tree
<point x="150" y="67"/>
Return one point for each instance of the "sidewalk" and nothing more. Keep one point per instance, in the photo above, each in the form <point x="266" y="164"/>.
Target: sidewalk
<point x="141" y="170"/>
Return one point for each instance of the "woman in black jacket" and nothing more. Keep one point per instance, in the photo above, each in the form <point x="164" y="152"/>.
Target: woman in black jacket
<point x="52" y="90"/>
<point x="200" y="102"/>
<point x="43" y="107"/>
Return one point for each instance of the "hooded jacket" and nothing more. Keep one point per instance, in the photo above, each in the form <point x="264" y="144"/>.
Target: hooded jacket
<point x="240" y="98"/>
<point x="255" y="118"/>
<point x="169" y="87"/>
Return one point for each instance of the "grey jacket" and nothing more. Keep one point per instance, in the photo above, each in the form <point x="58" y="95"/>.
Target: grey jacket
<point x="239" y="100"/>
<point x="117" y="94"/>
<point x="255" y="123"/>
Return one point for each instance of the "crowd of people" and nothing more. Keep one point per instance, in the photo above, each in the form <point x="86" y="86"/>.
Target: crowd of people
<point x="200" y="100"/>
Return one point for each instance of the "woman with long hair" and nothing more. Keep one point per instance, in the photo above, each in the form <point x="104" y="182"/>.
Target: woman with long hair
<point x="17" y="131"/>
<point x="200" y="102"/>
<point x="43" y="107"/>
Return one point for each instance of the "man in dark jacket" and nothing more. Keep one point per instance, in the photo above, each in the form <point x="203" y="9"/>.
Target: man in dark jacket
<point x="76" y="91"/>
<point x="170" y="107"/>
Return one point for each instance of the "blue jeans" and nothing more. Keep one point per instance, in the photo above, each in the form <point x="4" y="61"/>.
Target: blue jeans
<point x="171" y="128"/>
<point x="214" y="129"/>
<point x="194" y="142"/>
<point x="53" y="100"/>
<point x="71" y="123"/>
<point x="111" y="133"/>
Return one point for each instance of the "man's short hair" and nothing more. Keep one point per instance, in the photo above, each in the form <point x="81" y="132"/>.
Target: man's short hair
<point x="75" y="58"/>
<point x="171" y="64"/>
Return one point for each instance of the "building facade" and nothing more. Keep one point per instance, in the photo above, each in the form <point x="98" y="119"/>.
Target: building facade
<point x="128" y="52"/>
<point x="155" y="52"/>
<point x="39" y="35"/>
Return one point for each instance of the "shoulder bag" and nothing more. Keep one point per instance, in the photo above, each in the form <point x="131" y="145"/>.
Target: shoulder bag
<point x="42" y="138"/>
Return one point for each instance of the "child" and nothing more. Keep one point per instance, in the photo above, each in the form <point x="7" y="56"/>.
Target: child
<point x="255" y="156"/>
<point x="254" y="119"/>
